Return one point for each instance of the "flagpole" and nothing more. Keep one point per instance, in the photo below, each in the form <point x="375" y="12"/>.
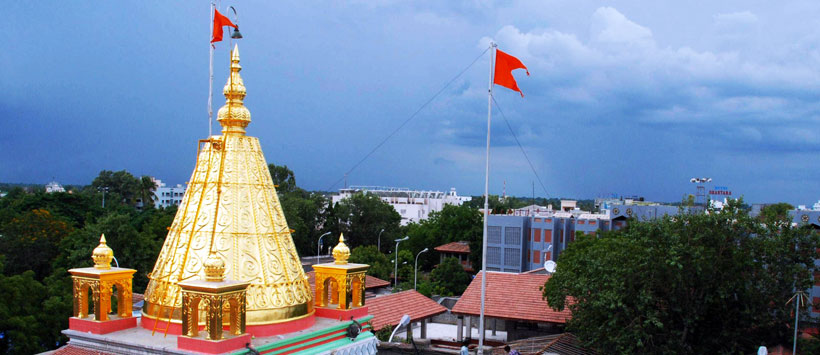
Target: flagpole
<point x="211" y="76"/>
<point x="486" y="208"/>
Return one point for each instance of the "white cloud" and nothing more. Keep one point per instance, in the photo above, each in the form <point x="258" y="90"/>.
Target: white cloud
<point x="736" y="18"/>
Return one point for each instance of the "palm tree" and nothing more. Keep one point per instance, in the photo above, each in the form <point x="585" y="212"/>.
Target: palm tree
<point x="146" y="190"/>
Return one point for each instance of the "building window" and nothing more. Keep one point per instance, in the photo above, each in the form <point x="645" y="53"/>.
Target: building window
<point x="592" y="223"/>
<point x="512" y="235"/>
<point x="512" y="257"/>
<point x="536" y="257"/>
<point x="815" y="308"/>
<point x="547" y="236"/>
<point x="548" y="220"/>
<point x="493" y="255"/>
<point x="548" y="256"/>
<point x="538" y="219"/>
<point x="536" y="234"/>
<point x="581" y="221"/>
<point x="817" y="278"/>
<point x="494" y="235"/>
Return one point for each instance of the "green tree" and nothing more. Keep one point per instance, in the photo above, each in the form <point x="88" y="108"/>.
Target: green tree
<point x="282" y="177"/>
<point x="30" y="241"/>
<point x="710" y="283"/>
<point x="776" y="212"/>
<point x="449" y="277"/>
<point x="147" y="186"/>
<point x="380" y="265"/>
<point x="120" y="186"/>
<point x="362" y="216"/>
<point x="29" y="318"/>
<point x="451" y="224"/>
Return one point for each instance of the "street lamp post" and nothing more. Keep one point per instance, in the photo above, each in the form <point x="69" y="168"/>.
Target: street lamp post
<point x="318" y="246"/>
<point x="380" y="240"/>
<point x="416" y="268"/>
<point x="396" y="263"/>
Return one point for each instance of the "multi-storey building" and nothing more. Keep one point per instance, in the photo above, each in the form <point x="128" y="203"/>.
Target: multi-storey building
<point x="165" y="196"/>
<point x="527" y="237"/>
<point x="412" y="205"/>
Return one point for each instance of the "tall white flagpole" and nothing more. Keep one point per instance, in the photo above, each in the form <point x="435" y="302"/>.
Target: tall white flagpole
<point x="486" y="206"/>
<point x="211" y="80"/>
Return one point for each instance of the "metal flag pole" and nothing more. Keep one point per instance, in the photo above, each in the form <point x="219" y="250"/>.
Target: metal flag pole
<point x="211" y="77"/>
<point x="486" y="207"/>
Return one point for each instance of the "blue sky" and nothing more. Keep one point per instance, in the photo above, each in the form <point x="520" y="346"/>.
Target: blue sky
<point x="624" y="97"/>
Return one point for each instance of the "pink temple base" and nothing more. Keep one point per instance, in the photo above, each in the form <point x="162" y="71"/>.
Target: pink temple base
<point x="341" y="314"/>
<point x="113" y="325"/>
<point x="203" y="345"/>
<point x="264" y="330"/>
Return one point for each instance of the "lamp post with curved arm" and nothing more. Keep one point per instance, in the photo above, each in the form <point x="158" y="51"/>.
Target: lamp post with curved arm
<point x="396" y="263"/>
<point x="318" y="246"/>
<point x="416" y="268"/>
<point x="380" y="241"/>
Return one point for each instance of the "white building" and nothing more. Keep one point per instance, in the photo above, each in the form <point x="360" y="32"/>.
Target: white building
<point x="167" y="196"/>
<point x="412" y="205"/>
<point x="54" y="187"/>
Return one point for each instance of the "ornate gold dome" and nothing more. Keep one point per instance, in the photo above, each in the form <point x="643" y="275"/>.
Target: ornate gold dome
<point x="214" y="268"/>
<point x="230" y="219"/>
<point x="102" y="255"/>
<point x="341" y="252"/>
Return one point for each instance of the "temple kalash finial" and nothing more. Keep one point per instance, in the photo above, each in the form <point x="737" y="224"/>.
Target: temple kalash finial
<point x="234" y="116"/>
<point x="102" y="255"/>
<point x="214" y="268"/>
<point x="341" y="252"/>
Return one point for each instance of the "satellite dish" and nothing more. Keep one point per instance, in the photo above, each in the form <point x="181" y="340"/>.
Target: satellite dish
<point x="550" y="266"/>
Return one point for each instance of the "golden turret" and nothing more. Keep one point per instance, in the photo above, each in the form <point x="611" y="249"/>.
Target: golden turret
<point x="230" y="225"/>
<point x="102" y="255"/>
<point x="341" y="252"/>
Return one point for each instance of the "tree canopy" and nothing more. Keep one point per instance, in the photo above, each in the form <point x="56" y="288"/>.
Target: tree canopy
<point x="707" y="283"/>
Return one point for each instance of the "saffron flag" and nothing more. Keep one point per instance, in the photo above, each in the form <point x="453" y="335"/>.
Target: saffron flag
<point x="219" y="21"/>
<point x="504" y="65"/>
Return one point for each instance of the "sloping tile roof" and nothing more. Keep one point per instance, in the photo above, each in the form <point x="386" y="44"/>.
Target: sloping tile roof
<point x="369" y="282"/>
<point x="510" y="296"/>
<point x="75" y="350"/>
<point x="454" y="247"/>
<point x="388" y="309"/>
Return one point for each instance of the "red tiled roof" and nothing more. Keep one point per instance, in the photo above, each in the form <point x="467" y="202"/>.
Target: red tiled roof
<point x="454" y="247"/>
<point x="510" y="296"/>
<point x="136" y="297"/>
<point x="75" y="350"/>
<point x="388" y="309"/>
<point x="369" y="282"/>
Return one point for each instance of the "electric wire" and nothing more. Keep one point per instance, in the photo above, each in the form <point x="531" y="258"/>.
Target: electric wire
<point x="407" y="120"/>
<point x="520" y="146"/>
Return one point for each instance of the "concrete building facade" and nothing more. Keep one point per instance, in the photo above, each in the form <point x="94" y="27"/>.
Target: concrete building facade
<point x="412" y="205"/>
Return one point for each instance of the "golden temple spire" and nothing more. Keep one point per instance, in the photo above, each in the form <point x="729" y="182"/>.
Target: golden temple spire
<point x="234" y="116"/>
<point x="341" y="252"/>
<point x="102" y="255"/>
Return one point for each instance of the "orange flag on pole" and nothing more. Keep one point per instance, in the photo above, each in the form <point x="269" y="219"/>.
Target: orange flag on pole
<point x="504" y="65"/>
<point x="219" y="21"/>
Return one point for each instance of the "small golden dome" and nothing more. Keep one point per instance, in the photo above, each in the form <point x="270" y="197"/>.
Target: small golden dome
<point x="214" y="268"/>
<point x="102" y="255"/>
<point x="341" y="252"/>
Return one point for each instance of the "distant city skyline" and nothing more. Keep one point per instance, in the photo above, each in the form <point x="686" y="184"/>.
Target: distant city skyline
<point x="624" y="97"/>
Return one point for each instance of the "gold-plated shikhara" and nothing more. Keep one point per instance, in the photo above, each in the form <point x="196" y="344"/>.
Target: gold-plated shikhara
<point x="231" y="208"/>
